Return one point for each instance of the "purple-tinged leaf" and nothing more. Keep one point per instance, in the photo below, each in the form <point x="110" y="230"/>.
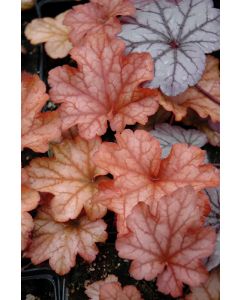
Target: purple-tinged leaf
<point x="169" y="135"/>
<point x="213" y="218"/>
<point x="214" y="260"/>
<point x="177" y="37"/>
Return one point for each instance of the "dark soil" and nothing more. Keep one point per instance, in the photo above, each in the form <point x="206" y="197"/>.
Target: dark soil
<point x="41" y="281"/>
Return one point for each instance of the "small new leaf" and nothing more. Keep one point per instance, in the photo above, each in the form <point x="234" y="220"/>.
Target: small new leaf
<point x="53" y="33"/>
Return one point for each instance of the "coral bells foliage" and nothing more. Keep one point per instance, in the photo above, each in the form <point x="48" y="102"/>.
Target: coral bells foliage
<point x="110" y="289"/>
<point x="104" y="87"/>
<point x="71" y="176"/>
<point x="158" y="184"/>
<point x="140" y="175"/>
<point x="30" y="200"/>
<point x="38" y="128"/>
<point x="61" y="242"/>
<point x="168" y="242"/>
<point x="98" y="16"/>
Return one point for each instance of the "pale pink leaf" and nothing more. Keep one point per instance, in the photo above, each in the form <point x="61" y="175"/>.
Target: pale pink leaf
<point x="210" y="290"/>
<point x="93" y="289"/>
<point x="98" y="16"/>
<point x="168" y="243"/>
<point x="114" y="291"/>
<point x="105" y="87"/>
<point x="140" y="175"/>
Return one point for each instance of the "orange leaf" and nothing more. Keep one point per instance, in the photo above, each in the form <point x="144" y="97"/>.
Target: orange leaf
<point x="168" y="243"/>
<point x="38" y="129"/>
<point x="71" y="177"/>
<point x="105" y="87"/>
<point x="204" y="98"/>
<point x="52" y="32"/>
<point x="30" y="200"/>
<point x="99" y="16"/>
<point x="141" y="176"/>
<point x="210" y="290"/>
<point x="61" y="242"/>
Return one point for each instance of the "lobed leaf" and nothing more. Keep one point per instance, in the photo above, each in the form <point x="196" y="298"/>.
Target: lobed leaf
<point x="210" y="290"/>
<point x="114" y="291"/>
<point x="98" y="16"/>
<point x="177" y="36"/>
<point x="52" y="32"/>
<point x="104" y="87"/>
<point x="30" y="200"/>
<point x="61" y="242"/>
<point x="169" y="135"/>
<point x="168" y="243"/>
<point x="38" y="129"/>
<point x="93" y="289"/>
<point x="204" y="98"/>
<point x="71" y="177"/>
<point x="140" y="175"/>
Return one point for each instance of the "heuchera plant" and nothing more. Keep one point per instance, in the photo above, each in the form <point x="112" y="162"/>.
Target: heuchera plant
<point x="156" y="180"/>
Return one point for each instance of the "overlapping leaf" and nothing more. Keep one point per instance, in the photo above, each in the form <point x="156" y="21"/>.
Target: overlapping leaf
<point x="98" y="16"/>
<point x="169" y="243"/>
<point x="93" y="289"/>
<point x="141" y="176"/>
<point x="71" y="177"/>
<point x="110" y="289"/>
<point x="38" y="129"/>
<point x="177" y="36"/>
<point x="114" y="291"/>
<point x="30" y="199"/>
<point x="169" y="135"/>
<point x="210" y="290"/>
<point x="105" y="87"/>
<point x="204" y="98"/>
<point x="53" y="33"/>
<point x="61" y="242"/>
<point x="213" y="220"/>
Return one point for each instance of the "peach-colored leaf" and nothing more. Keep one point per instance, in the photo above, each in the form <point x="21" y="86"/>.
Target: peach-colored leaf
<point x="52" y="32"/>
<point x="61" y="242"/>
<point x="30" y="200"/>
<point x="71" y="177"/>
<point x="93" y="289"/>
<point x="204" y="98"/>
<point x="98" y="16"/>
<point x="105" y="87"/>
<point x="168" y="243"/>
<point x="141" y="176"/>
<point x="114" y="291"/>
<point x="38" y="129"/>
<point x="210" y="290"/>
